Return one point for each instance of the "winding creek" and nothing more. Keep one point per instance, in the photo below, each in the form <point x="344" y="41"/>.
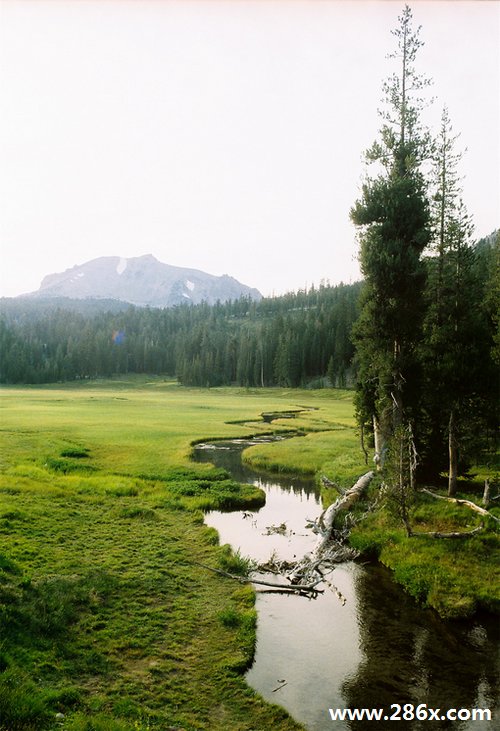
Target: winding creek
<point x="370" y="648"/>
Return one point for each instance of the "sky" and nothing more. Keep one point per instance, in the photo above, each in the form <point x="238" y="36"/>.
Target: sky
<point x="223" y="136"/>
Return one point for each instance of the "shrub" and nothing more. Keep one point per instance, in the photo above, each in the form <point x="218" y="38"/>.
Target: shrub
<point x="66" y="466"/>
<point x="230" y="617"/>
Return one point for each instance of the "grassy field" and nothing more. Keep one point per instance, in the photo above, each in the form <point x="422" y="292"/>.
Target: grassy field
<point x="106" y="616"/>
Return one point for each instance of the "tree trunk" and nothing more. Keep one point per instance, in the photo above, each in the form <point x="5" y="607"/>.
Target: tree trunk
<point x="380" y="447"/>
<point x="486" y="493"/>
<point x="362" y="440"/>
<point x="453" y="455"/>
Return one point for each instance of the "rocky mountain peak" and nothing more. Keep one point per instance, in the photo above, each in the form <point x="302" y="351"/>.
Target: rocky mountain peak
<point x="143" y="281"/>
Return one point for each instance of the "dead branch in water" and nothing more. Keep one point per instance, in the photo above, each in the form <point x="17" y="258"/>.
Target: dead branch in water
<point x="299" y="588"/>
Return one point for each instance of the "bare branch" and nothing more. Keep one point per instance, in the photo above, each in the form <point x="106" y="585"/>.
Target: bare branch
<point x="458" y="501"/>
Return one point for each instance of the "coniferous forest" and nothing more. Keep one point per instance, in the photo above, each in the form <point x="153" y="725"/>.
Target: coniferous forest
<point x="293" y="340"/>
<point x="426" y="345"/>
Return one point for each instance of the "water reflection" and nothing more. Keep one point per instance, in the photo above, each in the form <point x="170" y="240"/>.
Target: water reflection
<point x="411" y="656"/>
<point x="375" y="650"/>
<point x="227" y="454"/>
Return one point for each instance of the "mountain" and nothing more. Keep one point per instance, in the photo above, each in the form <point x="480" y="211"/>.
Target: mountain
<point x="142" y="280"/>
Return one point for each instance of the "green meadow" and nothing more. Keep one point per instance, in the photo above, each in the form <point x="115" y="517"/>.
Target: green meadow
<point x="108" y="622"/>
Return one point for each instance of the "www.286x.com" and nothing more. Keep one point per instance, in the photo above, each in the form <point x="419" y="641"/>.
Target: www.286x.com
<point x="409" y="712"/>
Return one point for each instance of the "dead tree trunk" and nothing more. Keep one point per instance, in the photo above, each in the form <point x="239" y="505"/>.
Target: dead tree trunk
<point x="325" y="527"/>
<point x="344" y="502"/>
<point x="453" y="455"/>
<point x="486" y="493"/>
<point x="380" y="447"/>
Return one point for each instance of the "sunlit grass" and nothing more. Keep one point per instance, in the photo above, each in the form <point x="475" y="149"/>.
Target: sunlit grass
<point x="310" y="453"/>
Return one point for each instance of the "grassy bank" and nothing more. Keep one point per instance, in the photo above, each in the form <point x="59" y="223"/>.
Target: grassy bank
<point x="106" y="615"/>
<point x="456" y="577"/>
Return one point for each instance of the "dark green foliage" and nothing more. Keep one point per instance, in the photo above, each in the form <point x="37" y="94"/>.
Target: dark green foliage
<point x="287" y="340"/>
<point x="75" y="452"/>
<point x="23" y="706"/>
<point x="427" y="336"/>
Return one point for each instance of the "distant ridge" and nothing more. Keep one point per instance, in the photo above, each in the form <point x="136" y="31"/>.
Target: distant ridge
<point x="143" y="281"/>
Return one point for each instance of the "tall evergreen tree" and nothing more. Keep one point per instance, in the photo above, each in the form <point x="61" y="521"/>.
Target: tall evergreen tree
<point x="393" y="218"/>
<point x="456" y="342"/>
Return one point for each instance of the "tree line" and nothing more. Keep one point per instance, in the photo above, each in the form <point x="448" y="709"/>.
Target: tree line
<point x="293" y="340"/>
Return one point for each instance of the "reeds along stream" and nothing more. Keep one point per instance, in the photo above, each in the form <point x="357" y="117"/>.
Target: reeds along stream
<point x="370" y="647"/>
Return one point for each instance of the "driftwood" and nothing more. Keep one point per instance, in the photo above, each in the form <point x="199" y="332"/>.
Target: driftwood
<point x="459" y="501"/>
<point x="300" y="588"/>
<point x="283" y="683"/>
<point x="437" y="534"/>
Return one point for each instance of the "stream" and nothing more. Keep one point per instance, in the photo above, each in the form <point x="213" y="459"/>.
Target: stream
<point x="363" y="643"/>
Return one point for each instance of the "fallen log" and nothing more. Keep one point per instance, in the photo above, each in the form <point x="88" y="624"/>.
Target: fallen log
<point x="344" y="502"/>
<point x="460" y="501"/>
<point x="324" y="526"/>
<point x="438" y="534"/>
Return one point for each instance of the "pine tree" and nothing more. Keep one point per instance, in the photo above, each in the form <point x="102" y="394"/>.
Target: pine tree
<point x="455" y="339"/>
<point x="393" y="218"/>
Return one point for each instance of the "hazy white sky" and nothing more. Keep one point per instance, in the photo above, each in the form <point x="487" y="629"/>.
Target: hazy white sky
<point x="223" y="136"/>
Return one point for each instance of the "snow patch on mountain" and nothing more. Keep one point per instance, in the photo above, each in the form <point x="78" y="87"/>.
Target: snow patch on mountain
<point x="122" y="265"/>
